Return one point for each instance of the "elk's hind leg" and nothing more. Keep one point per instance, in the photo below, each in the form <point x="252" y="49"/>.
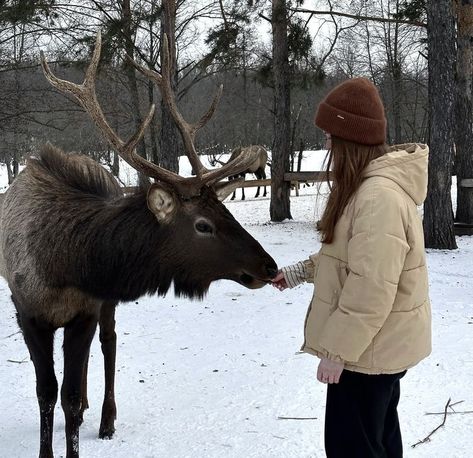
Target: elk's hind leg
<point x="39" y="338"/>
<point x="78" y="335"/>
<point x="108" y="339"/>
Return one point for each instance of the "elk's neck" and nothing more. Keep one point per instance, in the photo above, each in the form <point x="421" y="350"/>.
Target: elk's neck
<point x="120" y="257"/>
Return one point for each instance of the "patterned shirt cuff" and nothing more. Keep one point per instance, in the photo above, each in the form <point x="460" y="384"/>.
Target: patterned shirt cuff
<point x="295" y="274"/>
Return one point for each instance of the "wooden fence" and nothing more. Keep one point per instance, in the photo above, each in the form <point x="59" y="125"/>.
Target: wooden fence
<point x="294" y="177"/>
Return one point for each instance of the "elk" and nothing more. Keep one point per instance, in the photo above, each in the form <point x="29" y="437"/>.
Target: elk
<point x="257" y="167"/>
<point x="72" y="246"/>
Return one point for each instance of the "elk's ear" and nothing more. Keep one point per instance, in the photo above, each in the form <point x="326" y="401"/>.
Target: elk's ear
<point x="161" y="202"/>
<point x="224" y="188"/>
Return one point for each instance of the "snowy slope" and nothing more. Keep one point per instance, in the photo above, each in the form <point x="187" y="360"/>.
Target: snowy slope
<point x="210" y="379"/>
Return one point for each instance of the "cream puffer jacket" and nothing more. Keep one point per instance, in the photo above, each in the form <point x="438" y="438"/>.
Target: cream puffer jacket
<point x="370" y="307"/>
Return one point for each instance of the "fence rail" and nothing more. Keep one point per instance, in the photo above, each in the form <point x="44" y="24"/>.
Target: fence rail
<point x="294" y="177"/>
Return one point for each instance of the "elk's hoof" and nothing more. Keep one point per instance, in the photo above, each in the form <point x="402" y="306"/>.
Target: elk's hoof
<point x="106" y="433"/>
<point x="46" y="454"/>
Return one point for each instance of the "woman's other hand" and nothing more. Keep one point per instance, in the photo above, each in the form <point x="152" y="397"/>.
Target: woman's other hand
<point x="329" y="371"/>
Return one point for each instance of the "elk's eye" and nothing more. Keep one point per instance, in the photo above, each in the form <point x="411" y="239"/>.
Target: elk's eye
<point x="204" y="227"/>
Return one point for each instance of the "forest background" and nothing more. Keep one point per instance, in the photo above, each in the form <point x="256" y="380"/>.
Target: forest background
<point x="276" y="60"/>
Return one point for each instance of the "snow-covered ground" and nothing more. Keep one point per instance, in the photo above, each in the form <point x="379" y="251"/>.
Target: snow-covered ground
<point x="210" y="379"/>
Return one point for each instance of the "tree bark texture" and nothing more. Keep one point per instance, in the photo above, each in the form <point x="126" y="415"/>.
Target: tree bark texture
<point x="169" y="135"/>
<point x="438" y="212"/>
<point x="280" y="189"/>
<point x="464" y="115"/>
<point x="395" y="69"/>
<point x="131" y="73"/>
<point x="153" y="129"/>
<point x="396" y="74"/>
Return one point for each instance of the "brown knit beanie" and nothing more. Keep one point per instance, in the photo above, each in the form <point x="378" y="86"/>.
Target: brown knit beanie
<point x="353" y="110"/>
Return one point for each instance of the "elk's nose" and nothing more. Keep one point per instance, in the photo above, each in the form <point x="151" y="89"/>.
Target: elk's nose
<point x="271" y="271"/>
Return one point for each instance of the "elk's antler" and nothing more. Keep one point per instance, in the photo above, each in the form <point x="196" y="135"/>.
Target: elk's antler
<point x="85" y="94"/>
<point x="188" y="130"/>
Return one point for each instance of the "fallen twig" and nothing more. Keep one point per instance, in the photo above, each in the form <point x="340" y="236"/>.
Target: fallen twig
<point x="11" y="335"/>
<point x="24" y="360"/>
<point x="450" y="413"/>
<point x="297" y="418"/>
<point x="445" y="412"/>
<point x="455" y="404"/>
<point x="451" y="407"/>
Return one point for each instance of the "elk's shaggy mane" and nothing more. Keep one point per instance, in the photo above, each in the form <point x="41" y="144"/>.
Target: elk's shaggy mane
<point x="77" y="172"/>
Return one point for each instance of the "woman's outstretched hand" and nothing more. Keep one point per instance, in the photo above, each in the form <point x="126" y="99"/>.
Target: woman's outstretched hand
<point x="279" y="282"/>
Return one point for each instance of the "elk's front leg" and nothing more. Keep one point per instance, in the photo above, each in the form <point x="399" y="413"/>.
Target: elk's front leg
<point x="39" y="338"/>
<point x="78" y="335"/>
<point x="108" y="339"/>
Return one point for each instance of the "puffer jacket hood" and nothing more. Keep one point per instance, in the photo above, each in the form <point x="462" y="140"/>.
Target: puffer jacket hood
<point x="407" y="166"/>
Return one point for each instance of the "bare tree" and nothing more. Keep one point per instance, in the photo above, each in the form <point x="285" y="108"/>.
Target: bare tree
<point x="438" y="212"/>
<point x="464" y="115"/>
<point x="280" y="189"/>
<point x="169" y="146"/>
<point x="128" y="34"/>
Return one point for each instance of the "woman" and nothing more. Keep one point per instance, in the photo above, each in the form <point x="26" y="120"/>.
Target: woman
<point x="369" y="319"/>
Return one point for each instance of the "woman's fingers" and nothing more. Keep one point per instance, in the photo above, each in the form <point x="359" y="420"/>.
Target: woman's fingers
<point x="337" y="377"/>
<point x="329" y="371"/>
<point x="279" y="282"/>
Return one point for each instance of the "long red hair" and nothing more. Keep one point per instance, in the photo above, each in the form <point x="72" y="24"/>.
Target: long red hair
<point x="345" y="165"/>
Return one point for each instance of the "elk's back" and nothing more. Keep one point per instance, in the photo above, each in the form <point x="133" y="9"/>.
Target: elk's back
<point x="54" y="194"/>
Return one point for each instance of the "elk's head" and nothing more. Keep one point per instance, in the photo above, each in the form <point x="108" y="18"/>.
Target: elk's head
<point x="208" y="243"/>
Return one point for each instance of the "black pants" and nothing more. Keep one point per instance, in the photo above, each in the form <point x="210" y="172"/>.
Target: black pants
<point x="361" y="417"/>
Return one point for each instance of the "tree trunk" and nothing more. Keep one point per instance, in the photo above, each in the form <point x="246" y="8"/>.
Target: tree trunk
<point x="130" y="72"/>
<point x="464" y="117"/>
<point x="153" y="131"/>
<point x="397" y="94"/>
<point x="397" y="82"/>
<point x="16" y="166"/>
<point x="169" y="136"/>
<point x="280" y="189"/>
<point x="301" y="154"/>
<point x="9" y="171"/>
<point x="438" y="212"/>
<point x="151" y="88"/>
<point x="115" y="164"/>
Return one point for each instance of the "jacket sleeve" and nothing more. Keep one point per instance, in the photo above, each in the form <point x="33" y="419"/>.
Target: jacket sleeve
<point x="377" y="251"/>
<point x="301" y="272"/>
